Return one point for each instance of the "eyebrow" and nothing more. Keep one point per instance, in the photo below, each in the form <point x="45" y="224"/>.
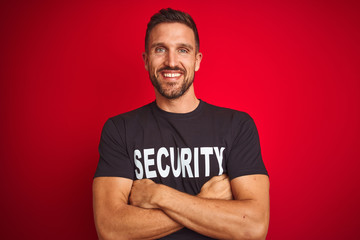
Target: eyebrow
<point x="185" y="45"/>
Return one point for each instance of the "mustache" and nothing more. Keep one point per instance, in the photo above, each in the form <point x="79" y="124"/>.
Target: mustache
<point x="171" y="69"/>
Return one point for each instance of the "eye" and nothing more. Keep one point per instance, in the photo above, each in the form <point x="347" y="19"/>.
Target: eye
<point x="159" y="50"/>
<point x="183" y="50"/>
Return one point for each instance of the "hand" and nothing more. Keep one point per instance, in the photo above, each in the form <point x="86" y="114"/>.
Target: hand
<point x="142" y="192"/>
<point x="217" y="187"/>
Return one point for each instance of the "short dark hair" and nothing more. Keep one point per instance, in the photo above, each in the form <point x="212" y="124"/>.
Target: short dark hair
<point x="169" y="15"/>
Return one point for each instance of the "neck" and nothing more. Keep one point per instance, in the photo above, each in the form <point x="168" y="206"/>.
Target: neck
<point x="184" y="104"/>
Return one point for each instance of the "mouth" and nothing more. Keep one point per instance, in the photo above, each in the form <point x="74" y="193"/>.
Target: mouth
<point x="171" y="75"/>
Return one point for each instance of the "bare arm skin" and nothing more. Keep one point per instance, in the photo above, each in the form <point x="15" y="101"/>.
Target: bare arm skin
<point x="115" y="219"/>
<point x="246" y="217"/>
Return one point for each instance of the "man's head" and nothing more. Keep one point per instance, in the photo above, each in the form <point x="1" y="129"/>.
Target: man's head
<point x="171" y="16"/>
<point x="172" y="53"/>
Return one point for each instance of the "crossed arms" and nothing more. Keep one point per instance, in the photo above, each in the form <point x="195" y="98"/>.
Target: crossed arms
<point x="142" y="209"/>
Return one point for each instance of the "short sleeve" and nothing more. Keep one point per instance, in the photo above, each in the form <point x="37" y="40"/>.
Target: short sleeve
<point x="245" y="154"/>
<point x="114" y="159"/>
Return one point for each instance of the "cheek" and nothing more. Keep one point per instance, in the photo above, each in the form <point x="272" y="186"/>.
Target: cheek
<point x="191" y="66"/>
<point x="155" y="64"/>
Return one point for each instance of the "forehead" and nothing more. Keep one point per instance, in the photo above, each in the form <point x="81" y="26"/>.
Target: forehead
<point x="172" y="33"/>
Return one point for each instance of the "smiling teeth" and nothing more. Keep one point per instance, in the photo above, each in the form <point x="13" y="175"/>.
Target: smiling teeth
<point x="172" y="74"/>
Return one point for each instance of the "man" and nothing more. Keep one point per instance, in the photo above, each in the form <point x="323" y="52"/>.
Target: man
<point x="162" y="167"/>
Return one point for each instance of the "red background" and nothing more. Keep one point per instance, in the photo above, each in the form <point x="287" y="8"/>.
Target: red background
<point x="68" y="66"/>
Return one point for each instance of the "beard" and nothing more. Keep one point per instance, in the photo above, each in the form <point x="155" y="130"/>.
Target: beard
<point x="172" y="90"/>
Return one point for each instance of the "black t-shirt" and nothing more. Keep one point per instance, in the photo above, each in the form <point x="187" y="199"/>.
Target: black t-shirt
<point x="182" y="151"/>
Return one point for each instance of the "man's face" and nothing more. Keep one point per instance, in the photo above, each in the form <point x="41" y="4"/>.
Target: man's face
<point x="171" y="59"/>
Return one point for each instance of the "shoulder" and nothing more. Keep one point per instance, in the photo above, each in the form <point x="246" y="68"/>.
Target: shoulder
<point x="132" y="115"/>
<point x="223" y="112"/>
<point x="121" y="121"/>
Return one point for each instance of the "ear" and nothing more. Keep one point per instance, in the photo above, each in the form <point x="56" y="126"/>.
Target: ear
<point x="146" y="61"/>
<point x="198" y="59"/>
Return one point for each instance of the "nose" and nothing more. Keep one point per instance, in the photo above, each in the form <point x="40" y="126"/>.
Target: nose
<point x="171" y="59"/>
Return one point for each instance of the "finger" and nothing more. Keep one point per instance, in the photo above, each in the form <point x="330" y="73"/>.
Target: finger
<point x="215" y="179"/>
<point x="222" y="177"/>
<point x="227" y="179"/>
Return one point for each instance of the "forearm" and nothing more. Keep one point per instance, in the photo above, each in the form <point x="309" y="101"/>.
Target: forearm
<point x="130" y="222"/>
<point x="116" y="219"/>
<point x="221" y="219"/>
